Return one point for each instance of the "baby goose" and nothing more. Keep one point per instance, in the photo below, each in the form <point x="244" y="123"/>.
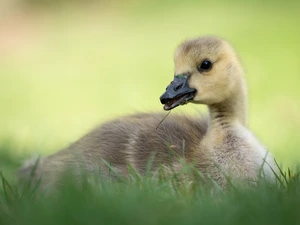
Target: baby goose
<point x="207" y="71"/>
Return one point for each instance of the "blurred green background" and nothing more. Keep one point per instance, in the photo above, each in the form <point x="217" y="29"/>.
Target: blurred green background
<point x="66" y="66"/>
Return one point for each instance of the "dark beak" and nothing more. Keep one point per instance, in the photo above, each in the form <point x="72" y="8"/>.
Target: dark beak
<point x="177" y="93"/>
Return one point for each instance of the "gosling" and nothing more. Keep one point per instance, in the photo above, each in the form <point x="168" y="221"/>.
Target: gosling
<point x="207" y="71"/>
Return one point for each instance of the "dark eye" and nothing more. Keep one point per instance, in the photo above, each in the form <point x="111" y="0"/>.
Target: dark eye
<point x="204" y="66"/>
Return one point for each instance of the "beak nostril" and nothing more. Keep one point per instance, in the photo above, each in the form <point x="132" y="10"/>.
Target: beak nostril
<point x="177" y="87"/>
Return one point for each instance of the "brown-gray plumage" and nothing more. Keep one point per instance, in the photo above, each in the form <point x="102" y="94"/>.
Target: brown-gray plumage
<point x="218" y="145"/>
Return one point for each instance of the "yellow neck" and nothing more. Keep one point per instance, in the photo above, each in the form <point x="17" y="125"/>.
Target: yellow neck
<point x="230" y="111"/>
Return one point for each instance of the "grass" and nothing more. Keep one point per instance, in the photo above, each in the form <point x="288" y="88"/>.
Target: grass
<point x="64" y="71"/>
<point x="140" y="200"/>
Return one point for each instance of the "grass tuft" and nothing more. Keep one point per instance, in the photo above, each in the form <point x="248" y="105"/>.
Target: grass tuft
<point x="158" y="197"/>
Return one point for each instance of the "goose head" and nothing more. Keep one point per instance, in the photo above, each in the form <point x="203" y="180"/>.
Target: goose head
<point x="207" y="71"/>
